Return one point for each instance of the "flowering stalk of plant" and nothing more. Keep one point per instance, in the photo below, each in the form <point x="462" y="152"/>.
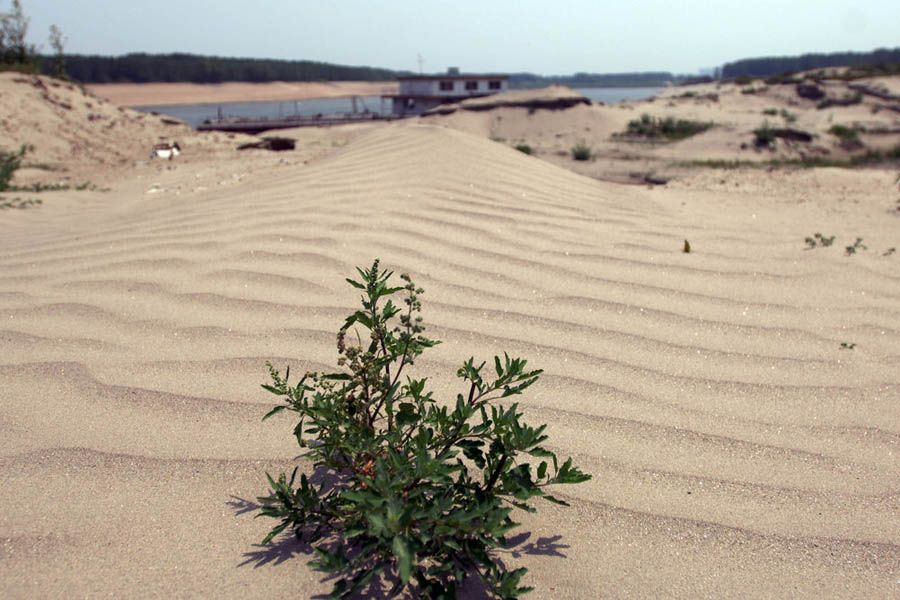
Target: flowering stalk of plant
<point x="406" y="488"/>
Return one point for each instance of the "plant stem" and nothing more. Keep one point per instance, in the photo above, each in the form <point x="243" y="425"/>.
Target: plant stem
<point x="497" y="470"/>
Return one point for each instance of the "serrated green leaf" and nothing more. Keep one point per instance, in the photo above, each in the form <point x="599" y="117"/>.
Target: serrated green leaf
<point x="404" y="557"/>
<point x="275" y="531"/>
<point x="274" y="411"/>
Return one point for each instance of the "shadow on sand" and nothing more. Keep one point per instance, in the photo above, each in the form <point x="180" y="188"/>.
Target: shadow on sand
<point x="285" y="547"/>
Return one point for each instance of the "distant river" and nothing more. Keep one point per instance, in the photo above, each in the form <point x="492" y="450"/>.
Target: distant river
<point x="195" y="114"/>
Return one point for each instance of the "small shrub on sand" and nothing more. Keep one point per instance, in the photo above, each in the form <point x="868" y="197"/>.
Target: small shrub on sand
<point x="844" y="133"/>
<point x="581" y="151"/>
<point x="818" y="240"/>
<point x="405" y="488"/>
<point x="525" y="149"/>
<point x="9" y="164"/>
<point x="667" y="128"/>
<point x="857" y="246"/>
<point x="764" y="136"/>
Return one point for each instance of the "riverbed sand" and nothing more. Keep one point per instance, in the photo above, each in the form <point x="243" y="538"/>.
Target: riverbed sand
<point x="738" y="406"/>
<point x="158" y="94"/>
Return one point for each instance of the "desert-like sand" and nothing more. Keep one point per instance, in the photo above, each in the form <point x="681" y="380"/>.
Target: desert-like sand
<point x="159" y="94"/>
<point x="736" y="449"/>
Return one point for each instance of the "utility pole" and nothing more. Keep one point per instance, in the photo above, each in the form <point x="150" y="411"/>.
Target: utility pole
<point x="421" y="62"/>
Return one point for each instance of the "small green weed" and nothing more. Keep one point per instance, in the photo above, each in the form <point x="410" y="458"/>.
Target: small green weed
<point x="581" y="151"/>
<point x="525" y="149"/>
<point x="6" y="203"/>
<point x="844" y="133"/>
<point x="857" y="246"/>
<point x="406" y="488"/>
<point x="819" y="241"/>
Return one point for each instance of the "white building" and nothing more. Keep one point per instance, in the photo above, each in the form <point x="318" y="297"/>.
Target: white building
<point x="419" y="93"/>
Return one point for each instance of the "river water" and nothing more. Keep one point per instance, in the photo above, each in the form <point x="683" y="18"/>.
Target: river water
<point x="195" y="114"/>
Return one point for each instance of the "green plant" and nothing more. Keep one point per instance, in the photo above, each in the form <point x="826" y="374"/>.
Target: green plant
<point x="667" y="128"/>
<point x="57" y="43"/>
<point x="844" y="133"/>
<point x="404" y="487"/>
<point x="848" y="345"/>
<point x="770" y="111"/>
<point x="764" y="137"/>
<point x="6" y="203"/>
<point x="15" y="51"/>
<point x="819" y="240"/>
<point x="9" y="164"/>
<point x="581" y="151"/>
<point x="857" y="245"/>
<point x="525" y="149"/>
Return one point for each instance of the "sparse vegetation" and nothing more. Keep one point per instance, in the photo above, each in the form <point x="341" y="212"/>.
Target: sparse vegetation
<point x="819" y="241"/>
<point x="844" y="133"/>
<point x="525" y="149"/>
<point x="764" y="137"/>
<point x="870" y="157"/>
<point x="850" y="100"/>
<point x="405" y="488"/>
<point x="666" y="128"/>
<point x="788" y="116"/>
<point x="856" y="247"/>
<point x="10" y="162"/>
<point x="687" y="247"/>
<point x="847" y="345"/>
<point x="581" y="151"/>
<point x="6" y="203"/>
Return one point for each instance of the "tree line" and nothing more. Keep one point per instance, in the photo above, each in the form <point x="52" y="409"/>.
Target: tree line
<point x="145" y="68"/>
<point x="589" y="80"/>
<point x="780" y="65"/>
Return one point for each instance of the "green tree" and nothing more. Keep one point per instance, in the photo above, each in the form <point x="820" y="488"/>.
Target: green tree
<point x="13" y="33"/>
<point x="57" y="43"/>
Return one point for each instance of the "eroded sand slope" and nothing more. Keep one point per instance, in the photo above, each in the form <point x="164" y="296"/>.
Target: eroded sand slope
<point x="736" y="449"/>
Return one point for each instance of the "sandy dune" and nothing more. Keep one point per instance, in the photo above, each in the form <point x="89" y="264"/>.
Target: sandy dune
<point x="737" y="450"/>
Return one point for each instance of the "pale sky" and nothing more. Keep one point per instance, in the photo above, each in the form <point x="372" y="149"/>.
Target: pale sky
<point x="561" y="37"/>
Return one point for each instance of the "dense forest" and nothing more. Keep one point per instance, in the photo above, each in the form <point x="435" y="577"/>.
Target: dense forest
<point x="144" y="68"/>
<point x="779" y="65"/>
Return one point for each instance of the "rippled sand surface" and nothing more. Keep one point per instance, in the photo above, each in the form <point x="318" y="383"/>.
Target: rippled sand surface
<point x="736" y="449"/>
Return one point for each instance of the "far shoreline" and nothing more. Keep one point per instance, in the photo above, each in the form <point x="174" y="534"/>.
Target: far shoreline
<point x="175" y="94"/>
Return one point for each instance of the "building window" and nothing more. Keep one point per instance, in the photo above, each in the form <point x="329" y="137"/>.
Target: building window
<point x="494" y="85"/>
<point x="446" y="86"/>
<point x="471" y="86"/>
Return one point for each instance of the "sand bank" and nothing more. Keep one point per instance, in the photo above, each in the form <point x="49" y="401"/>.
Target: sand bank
<point x="159" y="94"/>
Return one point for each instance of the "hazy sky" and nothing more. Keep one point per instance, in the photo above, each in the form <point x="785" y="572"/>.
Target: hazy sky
<point x="546" y="37"/>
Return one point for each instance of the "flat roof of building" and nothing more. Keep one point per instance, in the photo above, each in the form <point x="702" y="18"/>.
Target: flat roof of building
<point x="446" y="76"/>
